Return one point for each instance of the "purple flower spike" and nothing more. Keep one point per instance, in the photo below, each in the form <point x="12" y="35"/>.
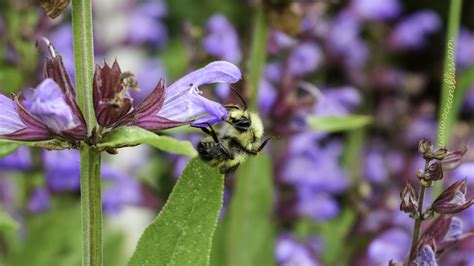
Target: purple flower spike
<point x="391" y="244"/>
<point x="376" y="9"/>
<point x="465" y="53"/>
<point x="222" y="40"/>
<point x="47" y="103"/>
<point x="305" y="59"/>
<point x="183" y="100"/>
<point x="17" y="160"/>
<point x="411" y="33"/>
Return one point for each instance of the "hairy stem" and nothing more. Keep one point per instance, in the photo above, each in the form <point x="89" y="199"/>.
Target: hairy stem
<point x="84" y="58"/>
<point x="419" y="219"/>
<point x="91" y="200"/>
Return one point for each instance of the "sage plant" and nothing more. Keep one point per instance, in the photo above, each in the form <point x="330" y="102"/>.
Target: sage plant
<point x="445" y="230"/>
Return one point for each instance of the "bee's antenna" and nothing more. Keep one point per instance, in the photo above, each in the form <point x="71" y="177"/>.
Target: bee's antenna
<point x="240" y="97"/>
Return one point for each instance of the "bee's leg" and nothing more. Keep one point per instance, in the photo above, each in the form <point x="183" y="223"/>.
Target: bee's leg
<point x="225" y="152"/>
<point x="263" y="144"/>
<point x="210" y="132"/>
<point x="231" y="170"/>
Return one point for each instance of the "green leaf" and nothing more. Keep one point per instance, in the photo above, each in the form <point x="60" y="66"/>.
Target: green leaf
<point x="132" y="136"/>
<point x="182" y="232"/>
<point x="54" y="144"/>
<point x="338" y="123"/>
<point x="7" y="148"/>
<point x="249" y="230"/>
<point x="6" y="221"/>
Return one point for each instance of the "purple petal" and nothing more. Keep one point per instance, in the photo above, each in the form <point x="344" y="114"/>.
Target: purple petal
<point x="9" y="119"/>
<point x="426" y="257"/>
<point x="392" y="244"/>
<point x="411" y="33"/>
<point x="465" y="53"/>
<point x="17" y="160"/>
<point x="47" y="103"/>
<point x="183" y="101"/>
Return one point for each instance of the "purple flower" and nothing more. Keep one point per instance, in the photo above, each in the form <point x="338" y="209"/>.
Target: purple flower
<point x="10" y="121"/>
<point x="412" y="31"/>
<point x="17" y="160"/>
<point x="62" y="38"/>
<point x="319" y="206"/>
<point x="376" y="9"/>
<point x="62" y="170"/>
<point x="273" y="72"/>
<point x="304" y="59"/>
<point x="222" y="40"/>
<point x="277" y="41"/>
<point x="148" y="75"/>
<point x="344" y="40"/>
<point x="337" y="101"/>
<point x="290" y="252"/>
<point x="39" y="201"/>
<point x="183" y="100"/>
<point x="144" y="25"/>
<point x="465" y="53"/>
<point x="375" y="169"/>
<point x="391" y="244"/>
<point x="426" y="256"/>
<point x="125" y="192"/>
<point x="47" y="103"/>
<point x="266" y="96"/>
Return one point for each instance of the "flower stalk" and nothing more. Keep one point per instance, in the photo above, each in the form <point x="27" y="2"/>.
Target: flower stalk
<point x="91" y="202"/>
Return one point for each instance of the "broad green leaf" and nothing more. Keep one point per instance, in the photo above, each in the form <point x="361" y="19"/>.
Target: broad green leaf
<point x="249" y="231"/>
<point x="338" y="123"/>
<point x="132" y="136"/>
<point x="7" y="148"/>
<point x="182" y="233"/>
<point x="6" y="221"/>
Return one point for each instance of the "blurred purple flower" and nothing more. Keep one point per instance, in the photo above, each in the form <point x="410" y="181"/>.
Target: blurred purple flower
<point x="148" y="75"/>
<point x="125" y="192"/>
<point x="465" y="170"/>
<point x="17" y="160"/>
<point x="344" y="40"/>
<point x="391" y="244"/>
<point x="412" y="31"/>
<point x="465" y="53"/>
<point x="290" y="252"/>
<point x="278" y="41"/>
<point x="376" y="9"/>
<point x="375" y="169"/>
<point x="319" y="206"/>
<point x="62" y="170"/>
<point x="62" y="38"/>
<point x="304" y="59"/>
<point x="266" y="96"/>
<point x="144" y="25"/>
<point x="273" y="72"/>
<point x="222" y="40"/>
<point x="183" y="100"/>
<point x="419" y="127"/>
<point x="39" y="201"/>
<point x="47" y="103"/>
<point x="337" y="101"/>
<point x="469" y="99"/>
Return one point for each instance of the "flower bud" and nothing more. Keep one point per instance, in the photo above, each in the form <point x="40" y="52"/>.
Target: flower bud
<point x="453" y="199"/>
<point x="409" y="200"/>
<point x="425" y="146"/>
<point x="440" y="153"/>
<point x="433" y="173"/>
<point x="426" y="251"/>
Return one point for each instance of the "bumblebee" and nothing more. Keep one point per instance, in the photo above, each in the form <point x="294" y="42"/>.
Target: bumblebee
<point x="238" y="138"/>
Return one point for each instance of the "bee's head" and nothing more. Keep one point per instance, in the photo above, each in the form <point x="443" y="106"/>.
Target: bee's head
<point x="239" y="119"/>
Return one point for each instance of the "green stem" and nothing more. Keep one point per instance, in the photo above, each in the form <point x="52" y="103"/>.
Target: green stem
<point x="84" y="58"/>
<point x="91" y="202"/>
<point x="91" y="207"/>
<point x="256" y="61"/>
<point x="448" y="87"/>
<point x="419" y="219"/>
